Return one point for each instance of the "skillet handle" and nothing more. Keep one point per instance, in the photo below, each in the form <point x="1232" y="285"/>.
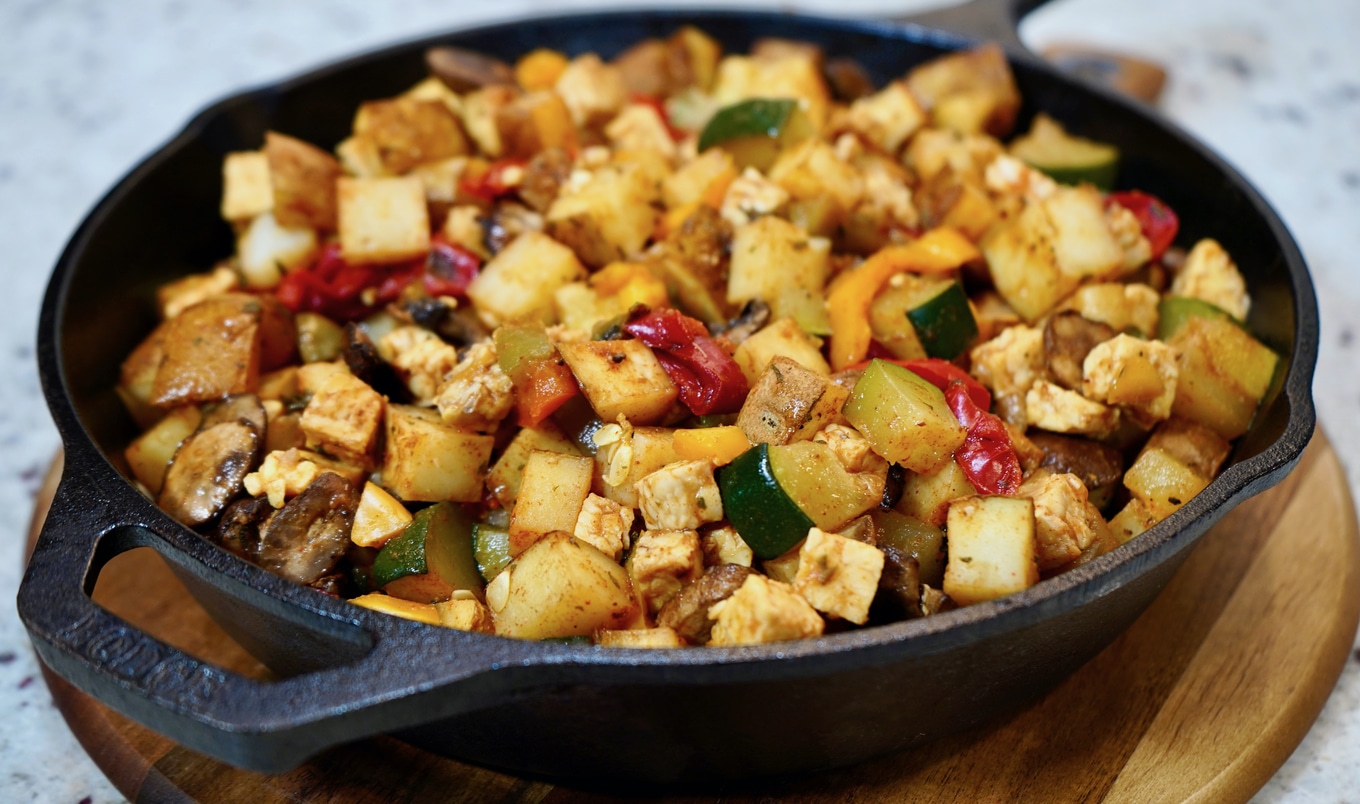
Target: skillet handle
<point x="268" y="726"/>
<point x="982" y="20"/>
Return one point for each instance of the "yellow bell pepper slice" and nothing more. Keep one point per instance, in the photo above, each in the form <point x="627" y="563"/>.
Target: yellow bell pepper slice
<point x="718" y="444"/>
<point x="937" y="251"/>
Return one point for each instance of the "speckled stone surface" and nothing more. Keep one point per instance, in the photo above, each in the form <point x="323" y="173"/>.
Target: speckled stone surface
<point x="87" y="88"/>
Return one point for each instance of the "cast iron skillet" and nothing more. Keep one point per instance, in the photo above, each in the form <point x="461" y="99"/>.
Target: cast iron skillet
<point x="573" y="713"/>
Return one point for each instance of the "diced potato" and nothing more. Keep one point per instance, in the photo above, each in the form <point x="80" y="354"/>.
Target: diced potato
<point x="703" y="179"/>
<point x="551" y="494"/>
<point x="972" y="91"/>
<point x="174" y="297"/>
<point x="441" y="179"/>
<point x="560" y="587"/>
<point x="426" y="460"/>
<point x="137" y="377"/>
<point x="504" y="479"/>
<point x="621" y="378"/>
<point x="1194" y="445"/>
<point x="838" y="576"/>
<point x="410" y="131"/>
<point x="382" y="219"/>
<point x="789" y="403"/>
<point x="1024" y="265"/>
<point x="662" y="561"/>
<point x="465" y="614"/>
<point x="660" y="637"/>
<point x="640" y="127"/>
<point x="811" y="169"/>
<point x="763" y="610"/>
<point x="150" y="454"/>
<point x="783" y="338"/>
<point x="594" y="91"/>
<point x="519" y="282"/>
<point x="343" y="418"/>
<point x="304" y="181"/>
<point x="378" y="518"/>
<point x="608" y="218"/>
<point x="887" y="118"/>
<point x="480" y="108"/>
<point x="927" y="496"/>
<point x="1083" y="244"/>
<point x="1132" y="520"/>
<point x="211" y="350"/>
<point x="991" y="548"/>
<point x="771" y="257"/>
<point x="1162" y="481"/>
<point x="395" y="606"/>
<point x="795" y="76"/>
<point x="359" y="157"/>
<point x="266" y="249"/>
<point x="433" y="89"/>
<point x="311" y="376"/>
<point x="246" y="190"/>
<point x="1224" y="374"/>
<point x="533" y="122"/>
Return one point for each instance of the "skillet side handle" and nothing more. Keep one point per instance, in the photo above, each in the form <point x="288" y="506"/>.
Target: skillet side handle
<point x="263" y="726"/>
<point x="981" y="20"/>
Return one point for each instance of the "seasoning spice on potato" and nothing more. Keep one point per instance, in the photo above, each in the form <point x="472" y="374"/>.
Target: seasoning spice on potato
<point x="688" y="348"/>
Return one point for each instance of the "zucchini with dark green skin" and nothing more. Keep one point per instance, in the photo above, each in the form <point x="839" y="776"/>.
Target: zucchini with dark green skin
<point x="944" y="322"/>
<point x="1174" y="311"/>
<point x="491" y="548"/>
<point x="433" y="555"/>
<point x="1065" y="158"/>
<point x="755" y="131"/>
<point x="767" y="519"/>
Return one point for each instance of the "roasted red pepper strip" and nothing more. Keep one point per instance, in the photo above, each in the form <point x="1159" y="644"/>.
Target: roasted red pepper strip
<point x="335" y="288"/>
<point x="987" y="456"/>
<point x="1159" y="222"/>
<point x="939" y="373"/>
<point x="710" y="381"/>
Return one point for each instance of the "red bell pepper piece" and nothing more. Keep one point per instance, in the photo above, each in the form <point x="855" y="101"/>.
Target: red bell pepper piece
<point x="1158" y="221"/>
<point x="541" y="387"/>
<point x="449" y="269"/>
<point x="987" y="456"/>
<point x="710" y="381"/>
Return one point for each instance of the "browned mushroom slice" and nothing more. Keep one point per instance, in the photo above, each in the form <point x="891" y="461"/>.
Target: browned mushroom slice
<point x="848" y="79"/>
<point x="243" y="408"/>
<point x="752" y="318"/>
<point x="241" y="524"/>
<point x="687" y="612"/>
<point x="543" y="178"/>
<point x="207" y="471"/>
<point x="309" y="535"/>
<point x="1068" y="338"/>
<point x="899" y="586"/>
<point x="362" y="358"/>
<point x="465" y="70"/>
<point x="1099" y="466"/>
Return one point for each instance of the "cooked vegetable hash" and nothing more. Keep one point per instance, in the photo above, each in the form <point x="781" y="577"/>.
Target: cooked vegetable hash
<point x="689" y="348"/>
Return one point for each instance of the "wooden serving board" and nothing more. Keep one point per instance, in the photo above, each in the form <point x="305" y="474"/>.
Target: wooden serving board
<point x="1202" y="699"/>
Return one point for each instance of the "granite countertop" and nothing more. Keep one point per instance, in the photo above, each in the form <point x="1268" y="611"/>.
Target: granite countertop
<point x="88" y="88"/>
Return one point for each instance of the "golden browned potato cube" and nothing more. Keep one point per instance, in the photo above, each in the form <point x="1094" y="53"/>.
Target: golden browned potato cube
<point x="1191" y="443"/>
<point x="559" y="587"/>
<point x="303" y="177"/>
<point x="465" y="614"/>
<point x="174" y="297"/>
<point x="519" y="282"/>
<point x="150" y="454"/>
<point x="972" y="91"/>
<point x="383" y="219"/>
<point x="927" y="496"/>
<point x="1162" y="481"/>
<point x="211" y="350"/>
<point x="887" y="118"/>
<point x="811" y="169"/>
<point x="343" y="418"/>
<point x="427" y="461"/>
<point x="480" y="108"/>
<point x="771" y="255"/>
<point x="789" y="403"/>
<point x="623" y="458"/>
<point x="610" y="217"/>
<point x="246" y="189"/>
<point x="505" y="477"/>
<point x="533" y="122"/>
<point x="783" y="338"/>
<point x="991" y="548"/>
<point x="621" y="378"/>
<point x="593" y="91"/>
<point x="410" y="131"/>
<point x="550" y="497"/>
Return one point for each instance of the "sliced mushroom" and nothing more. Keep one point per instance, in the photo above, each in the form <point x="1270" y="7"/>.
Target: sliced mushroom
<point x="1099" y="466"/>
<point x="465" y="70"/>
<point x="309" y="535"/>
<point x="1068" y="338"/>
<point x="508" y="221"/>
<point x="241" y="525"/>
<point x="899" y="587"/>
<point x="243" y="408"/>
<point x="361" y="355"/>
<point x="687" y="612"/>
<point x="848" y="79"/>
<point x="543" y="178"/>
<point x="207" y="471"/>
<point x="754" y="315"/>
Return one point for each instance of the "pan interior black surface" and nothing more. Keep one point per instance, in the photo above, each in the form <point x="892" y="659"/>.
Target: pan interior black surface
<point x="565" y="712"/>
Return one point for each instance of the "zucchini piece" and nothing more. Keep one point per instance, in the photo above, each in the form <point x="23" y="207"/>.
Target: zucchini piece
<point x="432" y="558"/>
<point x="1066" y="158"/>
<point x="904" y="418"/>
<point x="491" y="548"/>
<point x="1174" y="311"/>
<point x="765" y="517"/>
<point x="944" y="322"/>
<point x="755" y="131"/>
<point x="817" y="482"/>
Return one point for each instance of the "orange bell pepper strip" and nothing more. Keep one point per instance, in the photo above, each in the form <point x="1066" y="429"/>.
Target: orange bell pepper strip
<point x="543" y="386"/>
<point x="937" y="251"/>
